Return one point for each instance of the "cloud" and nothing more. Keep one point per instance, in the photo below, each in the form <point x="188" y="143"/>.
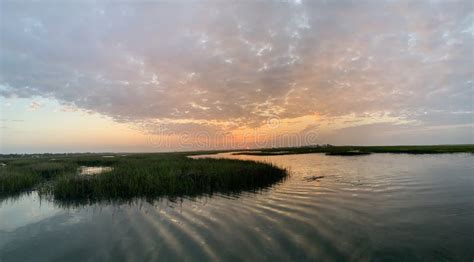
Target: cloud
<point x="35" y="106"/>
<point x="393" y="134"/>
<point x="243" y="62"/>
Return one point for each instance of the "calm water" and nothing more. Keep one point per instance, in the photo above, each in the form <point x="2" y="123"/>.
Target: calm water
<point x="377" y="207"/>
<point x="93" y="170"/>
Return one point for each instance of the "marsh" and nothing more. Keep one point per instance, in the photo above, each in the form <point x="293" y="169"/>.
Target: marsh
<point x="269" y="130"/>
<point x="368" y="207"/>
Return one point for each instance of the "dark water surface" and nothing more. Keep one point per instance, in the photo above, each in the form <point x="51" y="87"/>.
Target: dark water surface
<point x="378" y="207"/>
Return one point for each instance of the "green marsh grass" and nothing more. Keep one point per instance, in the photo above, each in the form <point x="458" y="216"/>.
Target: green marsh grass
<point x="146" y="176"/>
<point x="19" y="175"/>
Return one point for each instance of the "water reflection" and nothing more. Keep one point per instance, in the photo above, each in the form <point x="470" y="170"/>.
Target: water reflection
<point x="93" y="170"/>
<point x="24" y="210"/>
<point x="377" y="207"/>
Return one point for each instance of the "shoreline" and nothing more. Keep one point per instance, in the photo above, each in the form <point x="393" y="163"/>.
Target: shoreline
<point x="361" y="150"/>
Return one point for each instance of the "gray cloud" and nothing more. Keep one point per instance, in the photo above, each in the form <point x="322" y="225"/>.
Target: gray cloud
<point x="244" y="61"/>
<point x="391" y="134"/>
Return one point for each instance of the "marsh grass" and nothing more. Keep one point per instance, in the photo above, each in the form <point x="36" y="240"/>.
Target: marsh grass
<point x="148" y="176"/>
<point x="13" y="182"/>
<point x="21" y="175"/>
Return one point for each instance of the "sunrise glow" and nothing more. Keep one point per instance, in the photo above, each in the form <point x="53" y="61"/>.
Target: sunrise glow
<point x="99" y="76"/>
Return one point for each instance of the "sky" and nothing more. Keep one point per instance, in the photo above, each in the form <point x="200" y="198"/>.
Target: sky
<point x="103" y="76"/>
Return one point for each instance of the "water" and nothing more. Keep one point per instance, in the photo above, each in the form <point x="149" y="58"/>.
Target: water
<point x="376" y="207"/>
<point x="93" y="170"/>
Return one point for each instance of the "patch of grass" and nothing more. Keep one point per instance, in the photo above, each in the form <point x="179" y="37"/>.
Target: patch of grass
<point x="13" y="182"/>
<point x="134" y="176"/>
<point x="19" y="175"/>
<point x="48" y="170"/>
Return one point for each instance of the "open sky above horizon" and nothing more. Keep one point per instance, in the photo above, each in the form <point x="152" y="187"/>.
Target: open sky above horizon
<point x="91" y="76"/>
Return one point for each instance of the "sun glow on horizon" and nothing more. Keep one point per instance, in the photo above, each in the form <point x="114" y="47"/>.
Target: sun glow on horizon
<point x="172" y="76"/>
